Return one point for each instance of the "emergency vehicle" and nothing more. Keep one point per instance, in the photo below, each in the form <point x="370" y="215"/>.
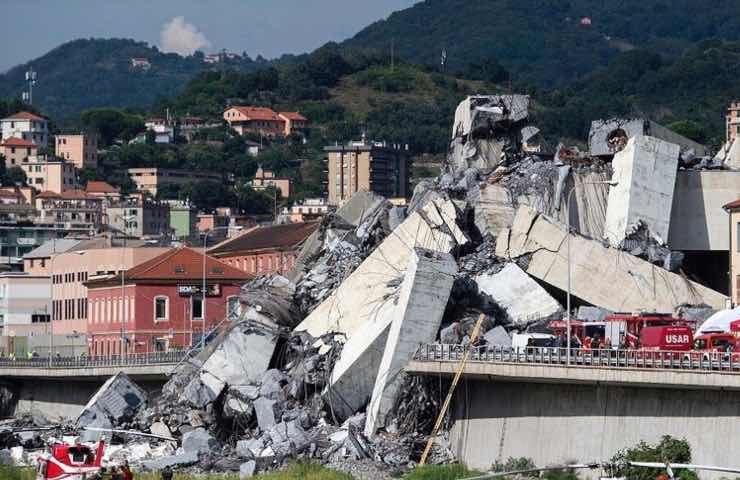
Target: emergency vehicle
<point x="70" y="462"/>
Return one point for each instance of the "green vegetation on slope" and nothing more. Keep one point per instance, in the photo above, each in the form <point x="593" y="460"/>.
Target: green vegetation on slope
<point x="541" y="41"/>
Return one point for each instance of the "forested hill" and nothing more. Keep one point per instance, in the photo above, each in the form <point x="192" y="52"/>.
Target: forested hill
<point x="546" y="42"/>
<point x="98" y="72"/>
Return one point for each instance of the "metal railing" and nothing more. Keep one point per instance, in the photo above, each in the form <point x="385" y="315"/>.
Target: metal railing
<point x="607" y="358"/>
<point x="85" y="361"/>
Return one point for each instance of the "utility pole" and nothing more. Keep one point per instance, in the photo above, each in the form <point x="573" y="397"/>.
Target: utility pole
<point x="31" y="77"/>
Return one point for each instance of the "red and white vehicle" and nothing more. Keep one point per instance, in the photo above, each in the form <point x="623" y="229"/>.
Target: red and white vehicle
<point x="70" y="462"/>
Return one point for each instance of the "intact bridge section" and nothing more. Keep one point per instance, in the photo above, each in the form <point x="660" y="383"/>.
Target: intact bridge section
<point x="532" y="403"/>
<point x="60" y="388"/>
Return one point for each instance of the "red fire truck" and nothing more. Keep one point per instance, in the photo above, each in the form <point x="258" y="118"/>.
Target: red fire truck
<point x="70" y="462"/>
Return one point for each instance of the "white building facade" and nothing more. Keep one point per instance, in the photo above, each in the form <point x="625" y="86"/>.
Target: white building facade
<point x="27" y="126"/>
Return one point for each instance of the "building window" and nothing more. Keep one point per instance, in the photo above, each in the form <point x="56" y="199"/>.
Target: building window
<point x="161" y="309"/>
<point x="197" y="310"/>
<point x="235" y="308"/>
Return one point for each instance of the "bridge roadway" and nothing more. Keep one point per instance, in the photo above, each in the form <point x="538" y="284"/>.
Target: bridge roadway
<point x="530" y="403"/>
<point x="150" y="366"/>
<point x="684" y="370"/>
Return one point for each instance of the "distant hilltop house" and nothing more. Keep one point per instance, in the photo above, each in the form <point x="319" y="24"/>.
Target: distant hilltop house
<point x="264" y="121"/>
<point x="220" y="57"/>
<point x="141" y="63"/>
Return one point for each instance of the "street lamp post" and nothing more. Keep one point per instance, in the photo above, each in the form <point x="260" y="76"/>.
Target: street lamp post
<point x="567" y="220"/>
<point x="126" y="219"/>
<point x="203" y="286"/>
<point x="51" y="277"/>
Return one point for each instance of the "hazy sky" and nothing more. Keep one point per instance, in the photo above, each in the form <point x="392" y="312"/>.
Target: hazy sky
<point x="267" y="27"/>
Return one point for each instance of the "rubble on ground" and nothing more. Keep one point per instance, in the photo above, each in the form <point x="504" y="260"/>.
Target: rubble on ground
<point x="313" y="368"/>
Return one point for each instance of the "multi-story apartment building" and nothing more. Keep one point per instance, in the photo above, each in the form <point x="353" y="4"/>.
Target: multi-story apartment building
<point x="17" y="151"/>
<point x="151" y="180"/>
<point x="733" y="121"/>
<point x="368" y="166"/>
<point x="79" y="150"/>
<point x="25" y="304"/>
<point x="183" y="219"/>
<point x="27" y="126"/>
<point x="161" y="304"/>
<point x="105" y="191"/>
<point x="137" y="216"/>
<point x="266" y="178"/>
<point x="50" y="174"/>
<point x="294" y="122"/>
<point x="71" y="207"/>
<point x="308" y="210"/>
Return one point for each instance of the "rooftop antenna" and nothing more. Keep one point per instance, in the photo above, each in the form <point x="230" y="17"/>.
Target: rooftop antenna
<point x="31" y="77"/>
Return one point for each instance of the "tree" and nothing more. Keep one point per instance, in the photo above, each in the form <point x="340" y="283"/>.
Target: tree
<point x="15" y="176"/>
<point x="111" y="124"/>
<point x="690" y="129"/>
<point x="668" y="450"/>
<point x="3" y="170"/>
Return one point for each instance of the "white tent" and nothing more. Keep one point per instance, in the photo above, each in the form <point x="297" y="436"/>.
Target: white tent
<point x="720" y="321"/>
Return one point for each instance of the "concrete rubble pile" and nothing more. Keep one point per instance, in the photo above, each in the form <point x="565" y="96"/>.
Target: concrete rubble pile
<point x="314" y="368"/>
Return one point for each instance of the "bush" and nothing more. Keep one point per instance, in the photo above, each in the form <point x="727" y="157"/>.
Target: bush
<point x="440" y="472"/>
<point x="669" y="449"/>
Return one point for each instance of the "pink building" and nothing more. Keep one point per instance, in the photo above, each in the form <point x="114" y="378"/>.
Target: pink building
<point x="161" y="306"/>
<point x="79" y="150"/>
<point x="70" y="271"/>
<point x="263" y="250"/>
<point x="17" y="150"/>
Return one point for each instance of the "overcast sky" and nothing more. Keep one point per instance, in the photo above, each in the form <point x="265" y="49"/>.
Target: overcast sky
<point x="267" y="27"/>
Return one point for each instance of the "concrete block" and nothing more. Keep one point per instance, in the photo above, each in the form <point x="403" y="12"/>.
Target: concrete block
<point x="159" y="428"/>
<point x="250" y="448"/>
<point x="606" y="277"/>
<point x="115" y="402"/>
<point x="420" y="306"/>
<point x="199" y="441"/>
<point x="247" y="469"/>
<point x="362" y="297"/>
<point x="513" y="290"/>
<point x="482" y="111"/>
<point x="266" y="411"/>
<point x="645" y="172"/>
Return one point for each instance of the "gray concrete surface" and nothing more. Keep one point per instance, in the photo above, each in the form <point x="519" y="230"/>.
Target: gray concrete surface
<point x="495" y="420"/>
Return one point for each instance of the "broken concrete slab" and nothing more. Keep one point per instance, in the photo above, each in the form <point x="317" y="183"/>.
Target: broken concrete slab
<point x="363" y="296"/>
<point x="481" y="112"/>
<point x="361" y="206"/>
<point x="181" y="460"/>
<point x="497" y="337"/>
<point x="645" y="176"/>
<point x="421" y="303"/>
<point x="242" y="355"/>
<point x="115" y="402"/>
<point x="267" y="411"/>
<point x="354" y="375"/>
<point x="523" y="299"/>
<point x="607" y="136"/>
<point x="602" y="276"/>
<point x="199" y="441"/>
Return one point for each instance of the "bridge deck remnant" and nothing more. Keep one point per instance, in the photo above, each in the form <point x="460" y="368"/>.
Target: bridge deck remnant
<point x="685" y="370"/>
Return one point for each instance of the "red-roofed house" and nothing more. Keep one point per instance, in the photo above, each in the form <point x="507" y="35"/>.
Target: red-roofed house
<point x="263" y="250"/>
<point x="103" y="190"/>
<point x="27" y="126"/>
<point x="264" y="121"/>
<point x="733" y="209"/>
<point x="162" y="303"/>
<point x="294" y="121"/>
<point x="17" y="150"/>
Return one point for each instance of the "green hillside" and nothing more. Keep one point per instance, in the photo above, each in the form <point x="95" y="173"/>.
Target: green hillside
<point x="544" y="42"/>
<point x="96" y="72"/>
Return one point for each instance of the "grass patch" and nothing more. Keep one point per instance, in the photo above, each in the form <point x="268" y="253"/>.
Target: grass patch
<point x="440" y="472"/>
<point x="296" y="471"/>
<point x="14" y="473"/>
